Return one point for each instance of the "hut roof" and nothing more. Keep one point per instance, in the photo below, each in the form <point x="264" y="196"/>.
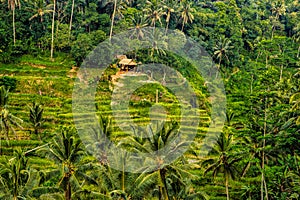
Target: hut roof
<point x="127" y="62"/>
<point x="121" y="57"/>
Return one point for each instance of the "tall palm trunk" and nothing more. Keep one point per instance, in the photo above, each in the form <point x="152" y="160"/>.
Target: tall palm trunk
<point x="247" y="166"/>
<point x="14" y="26"/>
<point x="182" y="26"/>
<point x="113" y="20"/>
<point x="68" y="192"/>
<point x="71" y="18"/>
<point x="163" y="185"/>
<point x="263" y="181"/>
<point x="168" y="21"/>
<point x="123" y="178"/>
<point x="219" y="67"/>
<point x="52" y="38"/>
<point x="226" y="186"/>
<point x="167" y="26"/>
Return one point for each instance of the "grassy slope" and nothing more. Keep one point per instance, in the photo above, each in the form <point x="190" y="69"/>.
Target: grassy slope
<point x="50" y="83"/>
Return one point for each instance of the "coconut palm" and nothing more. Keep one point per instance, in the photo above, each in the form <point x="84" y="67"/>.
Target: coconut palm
<point x="66" y="149"/>
<point x="119" y="6"/>
<point x="7" y="119"/>
<point x="14" y="175"/>
<point x="52" y="29"/>
<point x="161" y="172"/>
<point x="39" y="8"/>
<point x="186" y="13"/>
<point x="170" y="6"/>
<point x="221" y="51"/>
<point x="18" y="180"/>
<point x="36" y="116"/>
<point x="278" y="9"/>
<point x="138" y="22"/>
<point x="71" y="17"/>
<point x="12" y="4"/>
<point x="154" y="12"/>
<point x="223" y="161"/>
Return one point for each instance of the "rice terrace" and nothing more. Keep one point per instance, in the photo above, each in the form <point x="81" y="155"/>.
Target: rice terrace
<point x="149" y="100"/>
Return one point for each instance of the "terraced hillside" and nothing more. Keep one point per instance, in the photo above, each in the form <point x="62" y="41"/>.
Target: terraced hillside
<point x="48" y="83"/>
<point x="51" y="84"/>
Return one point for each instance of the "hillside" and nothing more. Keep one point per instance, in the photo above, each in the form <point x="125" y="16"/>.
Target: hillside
<point x="149" y="100"/>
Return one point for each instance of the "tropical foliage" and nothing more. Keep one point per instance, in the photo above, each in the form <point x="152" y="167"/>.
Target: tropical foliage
<point x="256" y="48"/>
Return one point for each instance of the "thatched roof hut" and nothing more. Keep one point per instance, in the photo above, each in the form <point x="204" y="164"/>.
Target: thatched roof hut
<point x="126" y="64"/>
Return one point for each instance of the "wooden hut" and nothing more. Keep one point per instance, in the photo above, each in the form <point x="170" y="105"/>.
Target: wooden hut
<point x="127" y="64"/>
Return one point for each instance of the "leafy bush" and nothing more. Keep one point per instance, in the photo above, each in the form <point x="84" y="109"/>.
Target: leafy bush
<point x="8" y="82"/>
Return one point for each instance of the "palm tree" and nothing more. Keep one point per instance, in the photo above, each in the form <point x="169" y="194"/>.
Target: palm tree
<point x="35" y="117"/>
<point x="12" y="4"/>
<point x="222" y="49"/>
<point x="71" y="17"/>
<point x="157" y="177"/>
<point x="117" y="10"/>
<point x="39" y="8"/>
<point x="66" y="149"/>
<point x="171" y="7"/>
<point x="278" y="9"/>
<point x="18" y="180"/>
<point x="223" y="161"/>
<point x="7" y="119"/>
<point x="187" y="11"/>
<point x="14" y="174"/>
<point x="154" y="12"/>
<point x="138" y="22"/>
<point x="52" y="29"/>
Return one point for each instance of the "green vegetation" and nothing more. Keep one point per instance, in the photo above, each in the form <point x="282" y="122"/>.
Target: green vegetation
<point x="255" y="46"/>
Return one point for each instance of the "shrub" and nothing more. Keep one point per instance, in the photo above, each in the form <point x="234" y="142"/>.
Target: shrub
<point x="9" y="82"/>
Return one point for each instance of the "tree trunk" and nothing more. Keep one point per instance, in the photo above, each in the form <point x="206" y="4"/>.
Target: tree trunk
<point x="281" y="71"/>
<point x="247" y="166"/>
<point x="263" y="182"/>
<point x="68" y="192"/>
<point x="71" y="18"/>
<point x="298" y="53"/>
<point x="123" y="178"/>
<point x="251" y="85"/>
<point x="168" y="21"/>
<point x="160" y="193"/>
<point x="262" y="186"/>
<point x="182" y="26"/>
<point x="14" y="26"/>
<point x="167" y="27"/>
<point x="163" y="189"/>
<point x="52" y="39"/>
<point x="113" y="20"/>
<point x="266" y="189"/>
<point x="219" y="66"/>
<point x="226" y="186"/>
<point x="36" y="132"/>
